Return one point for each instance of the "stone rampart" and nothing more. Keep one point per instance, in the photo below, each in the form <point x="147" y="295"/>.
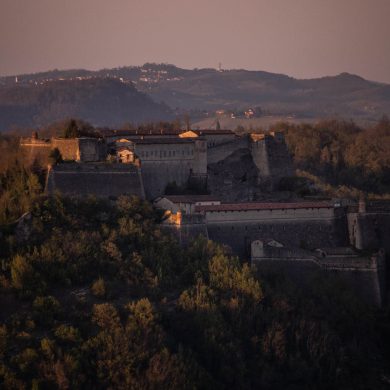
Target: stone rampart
<point x="364" y="274"/>
<point x="309" y="233"/>
<point x="272" y="158"/>
<point x="369" y="230"/>
<point x="157" y="174"/>
<point x="36" y="149"/>
<point x="221" y="151"/>
<point x="171" y="161"/>
<point x="69" y="148"/>
<point x="101" y="180"/>
<point x="367" y="284"/>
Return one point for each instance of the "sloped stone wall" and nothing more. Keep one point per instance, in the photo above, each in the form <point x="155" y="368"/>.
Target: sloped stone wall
<point x="101" y="180"/>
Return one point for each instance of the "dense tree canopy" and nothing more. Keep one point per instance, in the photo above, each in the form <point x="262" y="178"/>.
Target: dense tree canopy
<point x="97" y="296"/>
<point x="342" y="153"/>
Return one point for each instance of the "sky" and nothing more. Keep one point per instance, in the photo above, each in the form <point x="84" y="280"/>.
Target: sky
<point x="300" y="38"/>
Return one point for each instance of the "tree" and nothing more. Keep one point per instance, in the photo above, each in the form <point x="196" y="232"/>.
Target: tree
<point x="72" y="130"/>
<point x="55" y="157"/>
<point x="22" y="273"/>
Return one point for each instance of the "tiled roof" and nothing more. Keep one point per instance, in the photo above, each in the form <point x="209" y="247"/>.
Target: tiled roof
<point x="151" y="141"/>
<point x="115" y="133"/>
<point x="191" y="198"/>
<point x="264" y="206"/>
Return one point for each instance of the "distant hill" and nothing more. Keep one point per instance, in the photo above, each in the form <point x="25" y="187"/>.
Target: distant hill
<point x="209" y="90"/>
<point x="100" y="101"/>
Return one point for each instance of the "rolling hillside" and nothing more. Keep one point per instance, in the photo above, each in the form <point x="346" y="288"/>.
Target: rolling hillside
<point x="100" y="101"/>
<point x="42" y="97"/>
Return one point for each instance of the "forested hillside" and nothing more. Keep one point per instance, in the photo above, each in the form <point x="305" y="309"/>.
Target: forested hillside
<point x="94" y="295"/>
<point x="100" y="101"/>
<point x="343" y="155"/>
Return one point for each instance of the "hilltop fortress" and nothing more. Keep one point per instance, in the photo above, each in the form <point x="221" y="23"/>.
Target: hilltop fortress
<point x="163" y="158"/>
<point x="289" y="236"/>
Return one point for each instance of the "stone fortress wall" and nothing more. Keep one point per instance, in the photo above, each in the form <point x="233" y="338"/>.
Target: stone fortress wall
<point x="170" y="161"/>
<point x="364" y="274"/>
<point x="80" y="149"/>
<point x="36" y="149"/>
<point x="98" y="179"/>
<point x="296" y="225"/>
<point x="271" y="156"/>
<point x="369" y="225"/>
<point x="310" y="236"/>
<point x="179" y="157"/>
<point x="221" y="151"/>
<point x="83" y="149"/>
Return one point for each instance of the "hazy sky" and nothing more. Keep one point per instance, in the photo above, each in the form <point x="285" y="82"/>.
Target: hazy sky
<point x="301" y="38"/>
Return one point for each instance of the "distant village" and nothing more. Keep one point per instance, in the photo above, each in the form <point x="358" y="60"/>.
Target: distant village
<point x="194" y="177"/>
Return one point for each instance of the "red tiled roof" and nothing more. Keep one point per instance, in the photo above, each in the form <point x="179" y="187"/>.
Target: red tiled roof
<point x="191" y="198"/>
<point x="264" y="206"/>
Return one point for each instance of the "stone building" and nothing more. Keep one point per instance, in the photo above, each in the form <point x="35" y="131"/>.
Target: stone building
<point x="82" y="149"/>
<point x="164" y="161"/>
<point x="35" y="148"/>
<point x="213" y="137"/>
<point x="185" y="204"/>
<point x="111" y="136"/>
<point x="297" y="224"/>
<point x="175" y="157"/>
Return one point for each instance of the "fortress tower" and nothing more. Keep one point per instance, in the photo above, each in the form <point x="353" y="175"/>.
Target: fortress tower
<point x="272" y="158"/>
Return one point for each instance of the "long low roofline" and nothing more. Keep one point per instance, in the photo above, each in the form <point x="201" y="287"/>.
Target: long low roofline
<point x="264" y="206"/>
<point x="146" y="132"/>
<point x="151" y="141"/>
<point x="191" y="198"/>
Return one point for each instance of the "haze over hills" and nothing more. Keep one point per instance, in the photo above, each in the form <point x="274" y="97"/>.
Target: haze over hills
<point x="41" y="97"/>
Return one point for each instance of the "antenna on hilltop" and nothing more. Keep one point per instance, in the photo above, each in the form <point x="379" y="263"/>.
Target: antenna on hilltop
<point x="219" y="67"/>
